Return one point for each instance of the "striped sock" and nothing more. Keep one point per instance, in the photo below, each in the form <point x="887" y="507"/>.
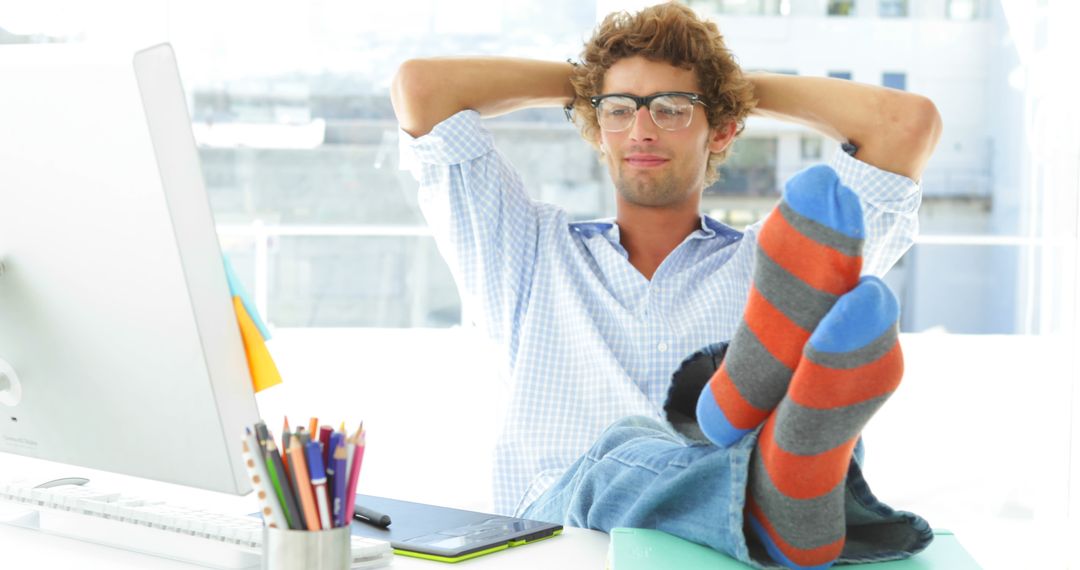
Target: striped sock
<point x="852" y="363"/>
<point x="809" y="252"/>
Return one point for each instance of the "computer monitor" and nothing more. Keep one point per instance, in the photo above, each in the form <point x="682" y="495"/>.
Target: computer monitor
<point x="119" y="345"/>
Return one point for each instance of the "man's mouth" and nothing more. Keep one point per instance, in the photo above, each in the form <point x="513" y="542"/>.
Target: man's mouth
<point x="645" y="160"/>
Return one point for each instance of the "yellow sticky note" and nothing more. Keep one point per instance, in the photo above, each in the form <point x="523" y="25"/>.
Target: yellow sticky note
<point x="264" y="372"/>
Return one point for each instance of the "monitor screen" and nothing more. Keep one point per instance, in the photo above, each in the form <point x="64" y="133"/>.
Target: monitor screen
<point x="119" y="345"/>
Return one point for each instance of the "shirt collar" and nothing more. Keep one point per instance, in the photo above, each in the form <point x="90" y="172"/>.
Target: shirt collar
<point x="607" y="227"/>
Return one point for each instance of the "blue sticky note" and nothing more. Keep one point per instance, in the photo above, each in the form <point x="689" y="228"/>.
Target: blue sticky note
<point x="237" y="290"/>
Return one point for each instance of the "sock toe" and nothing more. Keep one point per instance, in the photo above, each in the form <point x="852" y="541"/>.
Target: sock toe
<point x="816" y="193"/>
<point x="858" y="317"/>
<point x="714" y="423"/>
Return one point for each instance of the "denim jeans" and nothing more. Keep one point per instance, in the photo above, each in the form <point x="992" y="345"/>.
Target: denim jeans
<point x="643" y="473"/>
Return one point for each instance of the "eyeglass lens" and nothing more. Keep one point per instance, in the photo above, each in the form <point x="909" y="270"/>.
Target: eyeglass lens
<point x="669" y="112"/>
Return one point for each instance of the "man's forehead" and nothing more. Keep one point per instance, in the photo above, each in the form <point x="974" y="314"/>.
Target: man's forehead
<point x="640" y="76"/>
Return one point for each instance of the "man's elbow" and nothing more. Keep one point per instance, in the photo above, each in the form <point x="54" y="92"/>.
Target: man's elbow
<point x="918" y="135"/>
<point x="924" y="125"/>
<point x="408" y="92"/>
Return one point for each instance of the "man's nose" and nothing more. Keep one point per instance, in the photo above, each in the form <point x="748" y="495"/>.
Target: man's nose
<point x="643" y="128"/>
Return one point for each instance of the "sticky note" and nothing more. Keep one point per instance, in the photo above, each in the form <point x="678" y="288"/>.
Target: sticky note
<point x="237" y="290"/>
<point x="264" y="372"/>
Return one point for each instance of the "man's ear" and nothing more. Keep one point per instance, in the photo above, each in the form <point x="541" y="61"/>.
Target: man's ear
<point x="721" y="137"/>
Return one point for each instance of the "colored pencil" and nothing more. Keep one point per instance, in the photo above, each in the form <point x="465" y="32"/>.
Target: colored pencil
<point x="262" y="433"/>
<point x="324" y="439"/>
<point x="341" y="476"/>
<point x="356" y="459"/>
<point x="294" y="484"/>
<point x="303" y="484"/>
<point x="281" y="484"/>
<point x="285" y="435"/>
<point x="325" y="433"/>
<point x="331" y="477"/>
<point x="260" y="482"/>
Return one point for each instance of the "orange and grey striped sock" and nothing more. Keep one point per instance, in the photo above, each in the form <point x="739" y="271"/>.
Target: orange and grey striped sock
<point x="850" y="366"/>
<point x="809" y="252"/>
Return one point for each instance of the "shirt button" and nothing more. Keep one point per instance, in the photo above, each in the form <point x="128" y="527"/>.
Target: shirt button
<point x="662" y="347"/>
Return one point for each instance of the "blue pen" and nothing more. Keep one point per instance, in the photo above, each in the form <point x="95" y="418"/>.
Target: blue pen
<point x="341" y="481"/>
<point x="336" y="505"/>
<point x="318" y="481"/>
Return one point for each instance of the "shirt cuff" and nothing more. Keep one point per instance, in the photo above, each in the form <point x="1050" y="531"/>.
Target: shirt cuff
<point x="459" y="138"/>
<point x="887" y="190"/>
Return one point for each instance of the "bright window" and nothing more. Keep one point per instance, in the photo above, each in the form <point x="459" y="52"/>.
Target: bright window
<point x="963" y="9"/>
<point x="895" y="80"/>
<point x="743" y="7"/>
<point x="893" y="8"/>
<point x="841" y="8"/>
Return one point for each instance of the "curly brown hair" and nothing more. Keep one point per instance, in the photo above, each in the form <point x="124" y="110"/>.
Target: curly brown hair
<point x="674" y="34"/>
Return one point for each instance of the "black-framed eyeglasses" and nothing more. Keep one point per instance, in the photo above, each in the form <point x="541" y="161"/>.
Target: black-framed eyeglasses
<point x="670" y="110"/>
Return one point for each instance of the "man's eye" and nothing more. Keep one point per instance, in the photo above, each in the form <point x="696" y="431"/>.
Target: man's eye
<point x="671" y="111"/>
<point x="619" y="111"/>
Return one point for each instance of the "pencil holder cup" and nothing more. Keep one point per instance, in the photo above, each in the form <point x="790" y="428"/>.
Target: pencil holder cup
<point x="285" y="549"/>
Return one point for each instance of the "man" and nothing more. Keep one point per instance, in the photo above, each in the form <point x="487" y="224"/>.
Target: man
<point x="596" y="316"/>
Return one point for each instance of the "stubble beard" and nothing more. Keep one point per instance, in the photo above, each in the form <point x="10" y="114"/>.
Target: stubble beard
<point x="650" y="190"/>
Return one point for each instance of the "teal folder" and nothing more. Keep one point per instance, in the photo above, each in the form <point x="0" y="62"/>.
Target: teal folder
<point x="647" y="549"/>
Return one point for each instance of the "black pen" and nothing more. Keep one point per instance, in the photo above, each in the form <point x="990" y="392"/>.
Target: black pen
<point x="371" y="517"/>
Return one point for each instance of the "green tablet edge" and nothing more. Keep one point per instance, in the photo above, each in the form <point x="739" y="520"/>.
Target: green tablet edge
<point x="451" y="560"/>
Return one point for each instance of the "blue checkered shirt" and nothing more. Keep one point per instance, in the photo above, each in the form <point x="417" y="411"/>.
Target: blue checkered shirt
<point x="586" y="337"/>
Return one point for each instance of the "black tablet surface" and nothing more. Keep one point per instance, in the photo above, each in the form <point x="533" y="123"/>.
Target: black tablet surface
<point x="445" y="534"/>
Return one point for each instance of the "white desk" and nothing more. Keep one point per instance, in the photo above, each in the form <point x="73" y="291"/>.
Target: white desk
<point x="25" y="549"/>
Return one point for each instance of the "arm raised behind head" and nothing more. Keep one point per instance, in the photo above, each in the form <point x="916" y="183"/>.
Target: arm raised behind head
<point x="427" y="91"/>
<point x="894" y="130"/>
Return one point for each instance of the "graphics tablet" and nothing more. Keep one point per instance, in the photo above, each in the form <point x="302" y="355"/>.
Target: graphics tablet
<point x="445" y="534"/>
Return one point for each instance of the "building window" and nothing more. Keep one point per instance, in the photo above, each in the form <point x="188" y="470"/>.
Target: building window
<point x="840" y="74"/>
<point x="964" y="9"/>
<point x="743" y="7"/>
<point x="841" y="7"/>
<point x="750" y="169"/>
<point x="810" y="147"/>
<point x="894" y="80"/>
<point x="893" y="8"/>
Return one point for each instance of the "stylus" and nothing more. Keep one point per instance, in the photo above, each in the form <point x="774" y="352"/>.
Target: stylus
<point x="371" y="517"/>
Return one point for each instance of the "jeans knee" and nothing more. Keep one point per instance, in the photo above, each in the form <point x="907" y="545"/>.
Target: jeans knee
<point x="628" y="429"/>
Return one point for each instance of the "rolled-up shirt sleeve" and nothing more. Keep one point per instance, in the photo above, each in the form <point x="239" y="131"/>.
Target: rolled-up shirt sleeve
<point x="483" y="221"/>
<point x="890" y="204"/>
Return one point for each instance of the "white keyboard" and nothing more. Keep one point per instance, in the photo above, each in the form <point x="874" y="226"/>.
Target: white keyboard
<point x="154" y="527"/>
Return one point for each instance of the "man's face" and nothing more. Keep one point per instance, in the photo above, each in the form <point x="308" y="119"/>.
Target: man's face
<point x="651" y="166"/>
